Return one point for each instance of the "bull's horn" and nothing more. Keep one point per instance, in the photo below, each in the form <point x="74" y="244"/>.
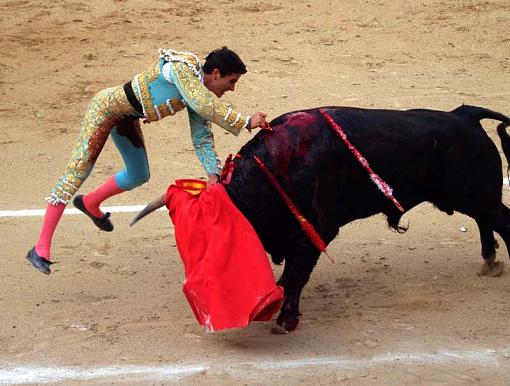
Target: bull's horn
<point x="151" y="207"/>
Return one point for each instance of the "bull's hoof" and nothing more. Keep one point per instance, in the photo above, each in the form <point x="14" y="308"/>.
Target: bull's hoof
<point x="492" y="270"/>
<point x="286" y="324"/>
<point x="490" y="259"/>
<point x="278" y="330"/>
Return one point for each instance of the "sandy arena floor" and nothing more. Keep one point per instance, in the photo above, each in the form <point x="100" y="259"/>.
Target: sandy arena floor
<point x="393" y="309"/>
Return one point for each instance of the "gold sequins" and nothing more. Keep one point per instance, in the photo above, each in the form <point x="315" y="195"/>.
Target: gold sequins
<point x="105" y="108"/>
<point x="206" y="104"/>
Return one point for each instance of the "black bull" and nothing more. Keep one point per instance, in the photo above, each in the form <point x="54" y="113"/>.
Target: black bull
<point x="445" y="158"/>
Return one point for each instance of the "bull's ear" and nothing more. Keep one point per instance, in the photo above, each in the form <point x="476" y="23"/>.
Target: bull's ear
<point x="151" y="207"/>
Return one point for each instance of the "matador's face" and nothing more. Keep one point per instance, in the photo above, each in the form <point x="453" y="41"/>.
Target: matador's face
<point x="218" y="84"/>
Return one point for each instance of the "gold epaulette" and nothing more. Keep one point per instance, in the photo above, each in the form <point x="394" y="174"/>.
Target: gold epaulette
<point x="141" y="88"/>
<point x="188" y="58"/>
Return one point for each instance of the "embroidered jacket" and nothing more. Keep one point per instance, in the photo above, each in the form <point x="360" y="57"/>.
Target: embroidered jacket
<point x="175" y="82"/>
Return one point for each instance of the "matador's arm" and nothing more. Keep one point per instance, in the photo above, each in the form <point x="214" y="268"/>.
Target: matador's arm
<point x="203" y="142"/>
<point x="204" y="102"/>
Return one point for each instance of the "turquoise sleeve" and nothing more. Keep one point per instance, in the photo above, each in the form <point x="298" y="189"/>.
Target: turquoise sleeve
<point x="203" y="142"/>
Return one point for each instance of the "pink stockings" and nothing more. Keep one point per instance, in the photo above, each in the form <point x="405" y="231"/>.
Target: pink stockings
<point x="93" y="199"/>
<point x="54" y="213"/>
<point x="51" y="219"/>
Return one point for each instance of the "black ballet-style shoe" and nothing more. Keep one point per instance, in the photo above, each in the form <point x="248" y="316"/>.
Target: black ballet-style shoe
<point x="39" y="262"/>
<point x="102" y="223"/>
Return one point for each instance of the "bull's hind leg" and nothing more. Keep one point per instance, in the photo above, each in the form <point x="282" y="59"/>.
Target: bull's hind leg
<point x="502" y="227"/>
<point x="489" y="243"/>
<point x="299" y="265"/>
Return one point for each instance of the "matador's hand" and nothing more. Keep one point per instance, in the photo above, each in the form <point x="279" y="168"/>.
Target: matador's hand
<point x="259" y="120"/>
<point x="213" y="179"/>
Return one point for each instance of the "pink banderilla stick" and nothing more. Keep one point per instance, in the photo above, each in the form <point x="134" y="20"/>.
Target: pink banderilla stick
<point x="307" y="227"/>
<point x="378" y="181"/>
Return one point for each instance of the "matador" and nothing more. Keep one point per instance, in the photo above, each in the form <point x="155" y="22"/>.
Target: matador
<point x="174" y="82"/>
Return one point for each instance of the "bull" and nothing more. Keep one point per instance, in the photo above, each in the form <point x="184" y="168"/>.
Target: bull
<point x="445" y="158"/>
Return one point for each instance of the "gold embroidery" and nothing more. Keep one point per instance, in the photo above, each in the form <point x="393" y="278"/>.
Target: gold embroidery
<point x="188" y="58"/>
<point x="153" y="72"/>
<point x="206" y="104"/>
<point x="146" y="98"/>
<point x="101" y="115"/>
<point x="170" y="108"/>
<point x="142" y="81"/>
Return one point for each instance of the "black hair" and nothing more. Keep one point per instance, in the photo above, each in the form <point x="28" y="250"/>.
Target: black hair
<point x="226" y="61"/>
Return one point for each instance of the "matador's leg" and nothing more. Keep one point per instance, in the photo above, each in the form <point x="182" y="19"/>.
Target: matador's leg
<point x="103" y="111"/>
<point x="128" y="139"/>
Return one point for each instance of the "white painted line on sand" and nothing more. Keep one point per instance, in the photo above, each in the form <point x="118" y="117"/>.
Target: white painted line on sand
<point x="484" y="357"/>
<point x="72" y="211"/>
<point x="30" y="374"/>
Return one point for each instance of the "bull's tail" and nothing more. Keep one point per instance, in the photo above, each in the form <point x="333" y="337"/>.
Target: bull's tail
<point x="479" y="113"/>
<point x="505" y="143"/>
<point x="505" y="139"/>
<point x="151" y="207"/>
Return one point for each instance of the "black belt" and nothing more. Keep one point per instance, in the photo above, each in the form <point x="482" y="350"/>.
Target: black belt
<point x="128" y="89"/>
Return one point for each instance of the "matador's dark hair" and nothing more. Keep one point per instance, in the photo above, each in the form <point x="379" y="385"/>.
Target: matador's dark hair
<point x="225" y="60"/>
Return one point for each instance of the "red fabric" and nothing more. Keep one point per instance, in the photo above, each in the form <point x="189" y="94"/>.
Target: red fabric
<point x="229" y="281"/>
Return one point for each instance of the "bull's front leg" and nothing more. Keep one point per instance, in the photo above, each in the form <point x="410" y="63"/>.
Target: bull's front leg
<point x="298" y="267"/>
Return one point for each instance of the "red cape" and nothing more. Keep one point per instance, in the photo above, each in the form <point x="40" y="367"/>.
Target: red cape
<point x="229" y="280"/>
